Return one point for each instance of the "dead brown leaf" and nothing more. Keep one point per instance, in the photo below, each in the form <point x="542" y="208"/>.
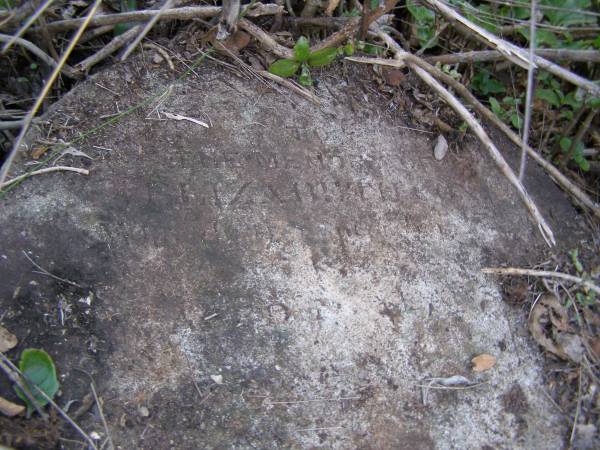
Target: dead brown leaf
<point x="38" y="151"/>
<point x="7" y="340"/>
<point x="483" y="362"/>
<point x="10" y="409"/>
<point x="547" y="314"/>
<point x="392" y="77"/>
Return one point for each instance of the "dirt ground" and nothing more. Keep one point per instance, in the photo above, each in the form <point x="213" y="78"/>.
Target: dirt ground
<point x="288" y="278"/>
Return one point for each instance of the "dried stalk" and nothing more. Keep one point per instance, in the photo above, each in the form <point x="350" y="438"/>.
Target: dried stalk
<point x="515" y="54"/>
<point x="580" y="196"/>
<point x="27" y="24"/>
<point x="183" y="13"/>
<point x="114" y="45"/>
<point x="45" y="90"/>
<point x="290" y="85"/>
<point x="529" y="93"/>
<point x="265" y="39"/>
<point x="559" y="54"/>
<point x="473" y="124"/>
<point x="46" y="59"/>
<point x="146" y="29"/>
<point x="43" y="171"/>
<point x="541" y="273"/>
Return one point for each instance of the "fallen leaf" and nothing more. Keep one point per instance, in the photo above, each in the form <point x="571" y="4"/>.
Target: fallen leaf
<point x="483" y="362"/>
<point x="455" y="380"/>
<point x="547" y="311"/>
<point x="571" y="345"/>
<point x="392" y="77"/>
<point x="10" y="409"/>
<point x="217" y="378"/>
<point x="38" y="151"/>
<point x="7" y="340"/>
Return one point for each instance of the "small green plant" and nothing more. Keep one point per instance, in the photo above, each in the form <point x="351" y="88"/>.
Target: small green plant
<point x="483" y="83"/>
<point x="507" y="110"/>
<point x="425" y="24"/>
<point x="585" y="297"/>
<point x="304" y="60"/>
<point x="38" y="371"/>
<point x="126" y="6"/>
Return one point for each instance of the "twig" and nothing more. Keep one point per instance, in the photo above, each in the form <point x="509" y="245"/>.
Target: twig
<point x="45" y="272"/>
<point x="265" y="39"/>
<point x="162" y="52"/>
<point x="32" y="18"/>
<point x="339" y="37"/>
<point x="577" y="411"/>
<point x="42" y="171"/>
<point x="45" y="90"/>
<point x="541" y="273"/>
<point x="12" y="372"/>
<point x="560" y="54"/>
<point x="292" y="402"/>
<point x="515" y="54"/>
<point x="102" y="418"/>
<point x="290" y="85"/>
<point x="183" y="13"/>
<point x="529" y="93"/>
<point x="46" y="59"/>
<point x="11" y="124"/>
<point x="556" y="174"/>
<point x="473" y="124"/>
<point x="319" y="429"/>
<point x="166" y="5"/>
<point x="114" y="45"/>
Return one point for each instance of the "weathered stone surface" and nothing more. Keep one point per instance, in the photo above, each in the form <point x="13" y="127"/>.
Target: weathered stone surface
<point x="318" y="256"/>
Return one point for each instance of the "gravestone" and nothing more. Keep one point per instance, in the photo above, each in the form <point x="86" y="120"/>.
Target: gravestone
<point x="290" y="277"/>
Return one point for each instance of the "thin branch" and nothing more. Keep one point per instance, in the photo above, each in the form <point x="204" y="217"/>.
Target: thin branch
<point x="183" y="13"/>
<point x="529" y="94"/>
<point x="515" y="54"/>
<point x="114" y="45"/>
<point x="146" y="29"/>
<point x="45" y="90"/>
<point x="541" y="273"/>
<point x="45" y="272"/>
<point x="104" y="424"/>
<point x="556" y="174"/>
<point x="290" y="85"/>
<point x="558" y="54"/>
<point x="46" y="59"/>
<point x="27" y="24"/>
<point x="265" y="39"/>
<point x="43" y="171"/>
<point x="474" y="125"/>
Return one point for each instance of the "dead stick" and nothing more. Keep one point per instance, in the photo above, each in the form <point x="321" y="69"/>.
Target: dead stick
<point x="46" y="59"/>
<point x="515" y="54"/>
<point x="265" y="39"/>
<point x="27" y="24"/>
<point x="479" y="131"/>
<point x="556" y="174"/>
<point x="559" y="54"/>
<point x="290" y="85"/>
<point x="114" y="45"/>
<point x="42" y="171"/>
<point x="49" y="82"/>
<point x="183" y="13"/>
<point x="541" y="273"/>
<point x="146" y="29"/>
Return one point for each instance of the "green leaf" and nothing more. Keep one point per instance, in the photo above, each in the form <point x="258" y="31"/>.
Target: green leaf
<point x="568" y="12"/>
<point x="516" y="120"/>
<point x="374" y="4"/>
<point x="565" y="144"/>
<point x="349" y="49"/>
<point x="38" y="370"/>
<point x="323" y="57"/>
<point x="302" y="50"/>
<point x="305" y="79"/>
<point x="549" y="96"/>
<point x="542" y="38"/>
<point x="486" y="85"/>
<point x="284" y="67"/>
<point x="496" y="108"/>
